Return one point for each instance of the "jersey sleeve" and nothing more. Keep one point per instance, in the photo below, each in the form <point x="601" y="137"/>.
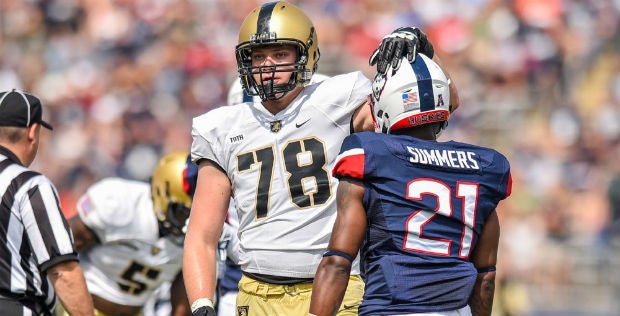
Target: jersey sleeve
<point x="357" y="84"/>
<point x="351" y="160"/>
<point x="505" y="185"/>
<point x="48" y="231"/>
<point x="361" y="89"/>
<point x="205" y="142"/>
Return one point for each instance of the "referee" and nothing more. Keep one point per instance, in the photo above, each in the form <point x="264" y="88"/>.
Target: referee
<point x="38" y="262"/>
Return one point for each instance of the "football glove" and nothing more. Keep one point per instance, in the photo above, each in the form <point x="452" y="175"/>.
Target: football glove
<point x="203" y="307"/>
<point x="204" y="311"/>
<point x="404" y="41"/>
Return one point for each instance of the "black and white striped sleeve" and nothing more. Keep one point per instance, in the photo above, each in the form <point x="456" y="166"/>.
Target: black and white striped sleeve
<point x="48" y="231"/>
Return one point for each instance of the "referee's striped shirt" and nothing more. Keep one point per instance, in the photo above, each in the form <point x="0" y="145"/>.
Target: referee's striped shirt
<point x="34" y="233"/>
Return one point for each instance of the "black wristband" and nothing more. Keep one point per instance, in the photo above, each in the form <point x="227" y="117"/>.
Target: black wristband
<point x="339" y="254"/>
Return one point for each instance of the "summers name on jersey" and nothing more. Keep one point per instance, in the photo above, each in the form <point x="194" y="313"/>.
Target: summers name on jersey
<point x="131" y="260"/>
<point x="282" y="178"/>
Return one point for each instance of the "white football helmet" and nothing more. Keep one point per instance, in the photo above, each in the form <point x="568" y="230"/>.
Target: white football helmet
<point x="237" y="95"/>
<point x="418" y="93"/>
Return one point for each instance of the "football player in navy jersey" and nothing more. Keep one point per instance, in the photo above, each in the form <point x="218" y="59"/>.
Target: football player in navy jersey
<point x="422" y="213"/>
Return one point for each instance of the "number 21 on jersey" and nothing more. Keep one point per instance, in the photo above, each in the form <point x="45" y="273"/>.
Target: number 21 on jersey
<point x="414" y="238"/>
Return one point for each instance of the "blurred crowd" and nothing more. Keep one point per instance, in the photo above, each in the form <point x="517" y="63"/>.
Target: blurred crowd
<point x="539" y="80"/>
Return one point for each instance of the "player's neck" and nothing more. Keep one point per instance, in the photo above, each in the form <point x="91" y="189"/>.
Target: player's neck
<point x="420" y="132"/>
<point x="275" y="106"/>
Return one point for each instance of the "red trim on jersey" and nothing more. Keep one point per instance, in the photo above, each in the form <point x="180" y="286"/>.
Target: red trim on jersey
<point x="509" y="189"/>
<point x="350" y="166"/>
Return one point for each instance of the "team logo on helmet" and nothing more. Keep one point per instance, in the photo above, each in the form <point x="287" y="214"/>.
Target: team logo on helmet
<point x="377" y="86"/>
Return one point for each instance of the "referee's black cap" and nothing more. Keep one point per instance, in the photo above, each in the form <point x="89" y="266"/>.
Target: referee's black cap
<point x="21" y="109"/>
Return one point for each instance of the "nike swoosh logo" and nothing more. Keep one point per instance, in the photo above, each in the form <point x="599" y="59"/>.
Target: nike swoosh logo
<point x="298" y="125"/>
<point x="345" y="306"/>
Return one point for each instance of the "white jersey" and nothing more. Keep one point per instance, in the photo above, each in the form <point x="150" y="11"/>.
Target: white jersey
<point x="131" y="259"/>
<point x="286" y="207"/>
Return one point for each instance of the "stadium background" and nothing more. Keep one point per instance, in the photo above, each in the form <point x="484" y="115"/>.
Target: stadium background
<point x="539" y="80"/>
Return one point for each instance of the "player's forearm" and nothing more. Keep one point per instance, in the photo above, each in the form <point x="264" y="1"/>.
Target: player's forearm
<point x="178" y="298"/>
<point x="199" y="270"/>
<point x="70" y="286"/>
<point x="330" y="284"/>
<point x="481" y="300"/>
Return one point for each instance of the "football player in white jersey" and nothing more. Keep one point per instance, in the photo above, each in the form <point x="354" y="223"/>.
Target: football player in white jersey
<point x="129" y="235"/>
<point x="275" y="158"/>
<point x="229" y="279"/>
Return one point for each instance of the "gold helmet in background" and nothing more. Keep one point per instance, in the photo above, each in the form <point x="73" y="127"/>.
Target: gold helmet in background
<point x="277" y="23"/>
<point x="171" y="200"/>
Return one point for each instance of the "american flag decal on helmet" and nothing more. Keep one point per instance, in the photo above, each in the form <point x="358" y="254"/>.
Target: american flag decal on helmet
<point x="410" y="97"/>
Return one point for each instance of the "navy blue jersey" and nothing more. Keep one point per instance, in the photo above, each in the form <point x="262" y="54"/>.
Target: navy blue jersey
<point x="426" y="203"/>
<point x="231" y="277"/>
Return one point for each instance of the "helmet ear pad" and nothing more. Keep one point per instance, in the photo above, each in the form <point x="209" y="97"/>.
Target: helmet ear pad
<point x="277" y="23"/>
<point x="417" y="93"/>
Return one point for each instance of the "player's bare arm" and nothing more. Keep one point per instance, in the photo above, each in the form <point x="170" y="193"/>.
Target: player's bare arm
<point x="333" y="273"/>
<point x="484" y="258"/>
<point x="83" y="236"/>
<point x="209" y="207"/>
<point x="178" y="297"/>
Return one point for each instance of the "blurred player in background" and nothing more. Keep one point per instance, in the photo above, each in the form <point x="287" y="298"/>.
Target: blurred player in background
<point x="421" y="212"/>
<point x="130" y="238"/>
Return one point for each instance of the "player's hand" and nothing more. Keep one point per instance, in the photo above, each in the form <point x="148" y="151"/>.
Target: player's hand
<point x="404" y="41"/>
<point x="204" y="311"/>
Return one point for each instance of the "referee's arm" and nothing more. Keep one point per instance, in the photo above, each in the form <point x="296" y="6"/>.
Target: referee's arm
<point x="68" y="280"/>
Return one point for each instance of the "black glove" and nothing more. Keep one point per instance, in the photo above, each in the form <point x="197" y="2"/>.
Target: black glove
<point x="204" y="311"/>
<point x="404" y="41"/>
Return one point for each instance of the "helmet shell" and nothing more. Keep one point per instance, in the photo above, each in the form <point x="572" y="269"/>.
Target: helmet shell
<point x="277" y="23"/>
<point x="417" y="93"/>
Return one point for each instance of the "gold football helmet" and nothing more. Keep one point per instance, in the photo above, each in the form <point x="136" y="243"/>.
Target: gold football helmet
<point x="171" y="199"/>
<point x="277" y="23"/>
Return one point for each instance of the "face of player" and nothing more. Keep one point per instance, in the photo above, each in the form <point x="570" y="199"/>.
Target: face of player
<point x="273" y="64"/>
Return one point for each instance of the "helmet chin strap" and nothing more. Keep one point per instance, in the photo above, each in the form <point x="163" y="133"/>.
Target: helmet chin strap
<point x="271" y="91"/>
<point x="440" y="127"/>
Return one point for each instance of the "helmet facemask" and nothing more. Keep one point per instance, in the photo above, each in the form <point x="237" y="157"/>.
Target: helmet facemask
<point x="300" y="74"/>
<point x="176" y="216"/>
<point x="171" y="199"/>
